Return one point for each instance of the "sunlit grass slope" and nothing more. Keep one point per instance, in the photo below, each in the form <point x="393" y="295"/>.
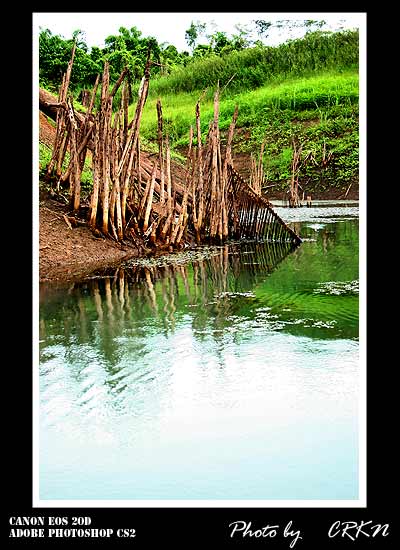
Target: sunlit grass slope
<point x="320" y="111"/>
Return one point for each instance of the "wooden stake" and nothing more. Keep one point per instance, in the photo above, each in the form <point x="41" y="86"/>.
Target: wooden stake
<point x="182" y="220"/>
<point x="150" y="199"/>
<point x="160" y="150"/>
<point x="198" y="216"/>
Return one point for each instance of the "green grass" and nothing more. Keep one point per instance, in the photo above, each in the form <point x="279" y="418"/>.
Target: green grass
<point x="254" y="67"/>
<point x="320" y="110"/>
<point x="44" y="156"/>
<point x="44" y="159"/>
<point x="305" y="89"/>
<point x="319" y="92"/>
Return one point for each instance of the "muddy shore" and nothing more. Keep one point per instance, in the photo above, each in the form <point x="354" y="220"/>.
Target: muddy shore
<point x="70" y="253"/>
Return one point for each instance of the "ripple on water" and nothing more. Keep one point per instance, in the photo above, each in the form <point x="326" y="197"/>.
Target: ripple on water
<point x="163" y="396"/>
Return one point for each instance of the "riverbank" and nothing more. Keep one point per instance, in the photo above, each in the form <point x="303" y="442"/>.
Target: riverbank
<point x="71" y="253"/>
<point x="67" y="252"/>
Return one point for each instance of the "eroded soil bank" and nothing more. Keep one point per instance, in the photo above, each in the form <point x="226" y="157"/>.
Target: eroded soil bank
<point x="70" y="253"/>
<point x="66" y="253"/>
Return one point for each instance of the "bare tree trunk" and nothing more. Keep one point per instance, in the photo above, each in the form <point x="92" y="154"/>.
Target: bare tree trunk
<point x="132" y="140"/>
<point x="181" y="224"/>
<point x="149" y="199"/>
<point x="198" y="216"/>
<point x="214" y="168"/>
<point x="160" y="150"/>
<point x="97" y="170"/>
<point x="75" y="177"/>
<point x="104" y="183"/>
<point x="294" y="183"/>
<point x="168" y="177"/>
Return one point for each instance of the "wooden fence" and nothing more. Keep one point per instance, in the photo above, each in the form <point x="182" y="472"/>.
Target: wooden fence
<point x="134" y="196"/>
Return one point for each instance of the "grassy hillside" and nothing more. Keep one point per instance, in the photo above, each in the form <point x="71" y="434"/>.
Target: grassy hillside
<point x="253" y="67"/>
<point x="307" y="90"/>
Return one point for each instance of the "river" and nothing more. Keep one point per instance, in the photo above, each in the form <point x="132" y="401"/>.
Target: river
<point x="227" y="373"/>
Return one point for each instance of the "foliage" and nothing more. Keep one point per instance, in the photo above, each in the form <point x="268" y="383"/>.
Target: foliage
<point x="320" y="111"/>
<point x="305" y="89"/>
<point x="44" y="159"/>
<point x="257" y="66"/>
<point x="193" y="33"/>
<point x="128" y="48"/>
<point x="54" y="55"/>
<point x="250" y="62"/>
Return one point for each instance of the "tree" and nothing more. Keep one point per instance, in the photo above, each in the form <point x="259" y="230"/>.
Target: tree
<point x="262" y="27"/>
<point x="202" y="50"/>
<point x="170" y="58"/>
<point x="242" y="39"/>
<point x="192" y="34"/>
<point x="218" y="41"/>
<point x="54" y="55"/>
<point x="53" y="60"/>
<point x="288" y="26"/>
<point x="130" y="48"/>
<point x="78" y="36"/>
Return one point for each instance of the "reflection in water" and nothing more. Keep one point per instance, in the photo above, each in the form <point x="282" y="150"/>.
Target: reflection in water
<point x="210" y="289"/>
<point x="225" y="375"/>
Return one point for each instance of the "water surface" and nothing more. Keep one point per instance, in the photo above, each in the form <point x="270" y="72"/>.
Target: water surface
<point x="231" y="373"/>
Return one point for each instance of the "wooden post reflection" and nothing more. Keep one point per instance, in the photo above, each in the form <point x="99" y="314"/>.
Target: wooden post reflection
<point x="171" y="294"/>
<point x="127" y="300"/>
<point x="97" y="300"/>
<point x="165" y="298"/>
<point x="121" y="285"/>
<point x="195" y="279"/>
<point x="183" y="272"/>
<point x="150" y="289"/>
<point x="42" y="329"/>
<point x="82" y="319"/>
<point x="107" y="289"/>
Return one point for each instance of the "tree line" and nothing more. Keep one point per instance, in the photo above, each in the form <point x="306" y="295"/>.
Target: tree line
<point x="129" y="48"/>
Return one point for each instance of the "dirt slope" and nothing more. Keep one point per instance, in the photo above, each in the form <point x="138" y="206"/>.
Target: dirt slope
<point x="66" y="253"/>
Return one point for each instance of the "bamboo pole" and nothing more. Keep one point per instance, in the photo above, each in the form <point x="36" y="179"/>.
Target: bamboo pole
<point x="150" y="199"/>
<point x="75" y="178"/>
<point x="168" y="176"/>
<point x="214" y="167"/>
<point x="160" y="150"/>
<point x="182" y="220"/>
<point x="96" y="176"/>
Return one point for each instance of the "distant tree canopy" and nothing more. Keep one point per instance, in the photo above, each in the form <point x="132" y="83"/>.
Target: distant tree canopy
<point x="130" y="48"/>
<point x="54" y="54"/>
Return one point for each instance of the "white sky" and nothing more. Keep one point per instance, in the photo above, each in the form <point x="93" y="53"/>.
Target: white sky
<point x="171" y="26"/>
